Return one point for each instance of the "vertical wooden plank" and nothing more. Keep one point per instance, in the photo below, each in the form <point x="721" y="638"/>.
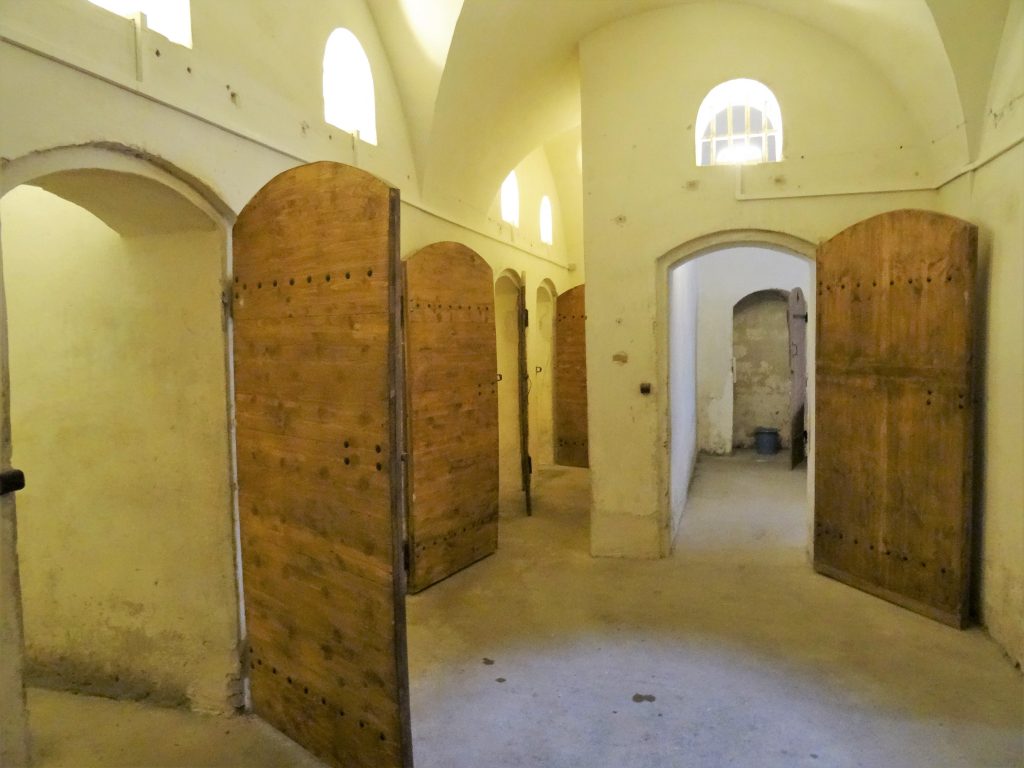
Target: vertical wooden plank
<point x="320" y="442"/>
<point x="571" y="436"/>
<point x="893" y="485"/>
<point x="453" y="412"/>
<point x="798" y="374"/>
<point x="525" y="460"/>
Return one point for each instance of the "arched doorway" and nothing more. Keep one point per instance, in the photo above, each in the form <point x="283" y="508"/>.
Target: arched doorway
<point x="513" y="432"/>
<point x="703" y="281"/>
<point x="542" y="376"/>
<point x="118" y="359"/>
<point x="762" y="380"/>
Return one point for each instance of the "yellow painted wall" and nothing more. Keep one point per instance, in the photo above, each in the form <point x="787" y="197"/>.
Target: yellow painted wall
<point x="118" y="382"/>
<point x="993" y="197"/>
<point x="643" y="80"/>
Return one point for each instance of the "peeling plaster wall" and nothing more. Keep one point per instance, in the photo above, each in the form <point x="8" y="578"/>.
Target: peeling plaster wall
<point x="760" y="352"/>
<point x="118" y="382"/>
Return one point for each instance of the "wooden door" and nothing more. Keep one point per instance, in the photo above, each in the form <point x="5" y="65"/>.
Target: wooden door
<point x="453" y="412"/>
<point x="525" y="461"/>
<point x="798" y="376"/>
<point x="571" y="440"/>
<point x="320" y="479"/>
<point x="895" y="410"/>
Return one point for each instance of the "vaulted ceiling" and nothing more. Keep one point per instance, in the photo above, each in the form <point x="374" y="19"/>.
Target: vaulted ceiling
<point x="484" y="82"/>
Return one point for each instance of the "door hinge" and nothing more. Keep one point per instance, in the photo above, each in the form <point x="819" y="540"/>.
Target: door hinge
<point x="11" y="480"/>
<point x="406" y="556"/>
<point x="526" y="318"/>
<point x="227" y="299"/>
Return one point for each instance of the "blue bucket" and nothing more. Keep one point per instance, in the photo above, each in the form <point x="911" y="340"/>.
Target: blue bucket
<point x="766" y="439"/>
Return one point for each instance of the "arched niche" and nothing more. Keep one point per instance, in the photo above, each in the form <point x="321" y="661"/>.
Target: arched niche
<point x="117" y="401"/>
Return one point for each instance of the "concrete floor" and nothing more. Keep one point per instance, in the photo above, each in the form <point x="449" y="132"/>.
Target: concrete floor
<point x="729" y="653"/>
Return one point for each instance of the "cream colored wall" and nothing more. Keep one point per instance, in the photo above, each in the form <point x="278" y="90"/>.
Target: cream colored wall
<point x="727" y="275"/>
<point x="15" y="749"/>
<point x="993" y="197"/>
<point x="642" y="82"/>
<point x="118" y="381"/>
<point x="643" y="79"/>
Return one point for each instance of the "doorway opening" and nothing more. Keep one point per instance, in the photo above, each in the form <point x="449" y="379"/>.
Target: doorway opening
<point x="732" y="371"/>
<point x="542" y="447"/>
<point x="513" y="427"/>
<point x="119" y="396"/>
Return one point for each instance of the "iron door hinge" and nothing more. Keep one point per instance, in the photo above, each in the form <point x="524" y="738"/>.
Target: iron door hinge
<point x="11" y="480"/>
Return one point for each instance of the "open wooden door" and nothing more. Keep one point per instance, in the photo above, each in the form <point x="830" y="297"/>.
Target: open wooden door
<point x="571" y="438"/>
<point x="798" y="377"/>
<point x="895" y="410"/>
<point x="526" y="462"/>
<point x="453" y="412"/>
<point x="320" y="438"/>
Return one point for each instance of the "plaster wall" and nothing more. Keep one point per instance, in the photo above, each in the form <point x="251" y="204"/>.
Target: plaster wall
<point x="727" y="275"/>
<point x="684" y="299"/>
<point x="760" y="352"/>
<point x="993" y="197"/>
<point x="118" y="391"/>
<point x="643" y="80"/>
<point x="15" y="747"/>
<point x="225" y="111"/>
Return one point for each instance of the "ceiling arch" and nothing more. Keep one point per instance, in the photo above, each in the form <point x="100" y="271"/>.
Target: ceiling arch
<point x="502" y="77"/>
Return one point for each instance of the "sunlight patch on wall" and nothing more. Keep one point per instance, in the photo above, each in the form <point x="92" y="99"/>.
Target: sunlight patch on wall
<point x="170" y="18"/>
<point x="546" y="225"/>
<point x="510" y="199"/>
<point x="348" y="87"/>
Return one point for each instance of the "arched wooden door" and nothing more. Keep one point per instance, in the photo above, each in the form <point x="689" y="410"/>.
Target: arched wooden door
<point x="453" y="412"/>
<point x="571" y="436"/>
<point x="894" y="402"/>
<point x="320" y="434"/>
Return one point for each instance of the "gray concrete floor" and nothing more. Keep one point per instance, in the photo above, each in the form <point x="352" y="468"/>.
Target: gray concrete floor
<point x="732" y="652"/>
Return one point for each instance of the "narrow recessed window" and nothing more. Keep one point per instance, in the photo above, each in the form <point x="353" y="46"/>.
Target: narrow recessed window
<point x="510" y="199"/>
<point x="739" y="121"/>
<point x="170" y="18"/>
<point x="348" y="87"/>
<point x="546" y="227"/>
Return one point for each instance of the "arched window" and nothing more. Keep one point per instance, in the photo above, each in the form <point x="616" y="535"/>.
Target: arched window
<point x="170" y="18"/>
<point x="547" y="230"/>
<point x="348" y="87"/>
<point x="510" y="199"/>
<point x="739" y="121"/>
